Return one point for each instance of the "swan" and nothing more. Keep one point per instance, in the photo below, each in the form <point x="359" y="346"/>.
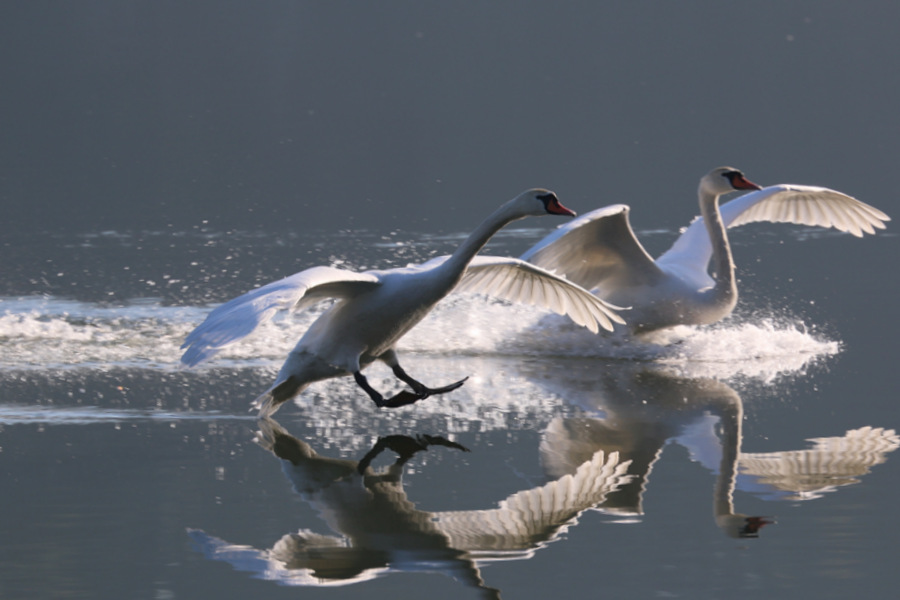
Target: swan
<point x="600" y="252"/>
<point x="374" y="309"/>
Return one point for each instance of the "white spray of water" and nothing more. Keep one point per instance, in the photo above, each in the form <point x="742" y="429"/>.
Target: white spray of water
<point x="41" y="333"/>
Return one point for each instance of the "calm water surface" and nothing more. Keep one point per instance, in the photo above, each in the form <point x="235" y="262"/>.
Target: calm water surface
<point x="753" y="459"/>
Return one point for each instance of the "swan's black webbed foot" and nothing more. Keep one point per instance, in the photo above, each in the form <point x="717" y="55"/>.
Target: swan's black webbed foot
<point x="445" y="389"/>
<point x="401" y="399"/>
<point x="420" y="392"/>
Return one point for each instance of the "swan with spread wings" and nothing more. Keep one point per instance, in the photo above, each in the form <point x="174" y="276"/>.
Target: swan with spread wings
<point x="374" y="309"/>
<point x="599" y="250"/>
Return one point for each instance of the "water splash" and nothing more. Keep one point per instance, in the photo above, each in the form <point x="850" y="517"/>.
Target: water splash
<point x="42" y="333"/>
<point x="760" y="347"/>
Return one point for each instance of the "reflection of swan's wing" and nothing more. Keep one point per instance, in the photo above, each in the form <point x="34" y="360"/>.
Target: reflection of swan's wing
<point x="785" y="203"/>
<point x="306" y="558"/>
<point x="527" y="519"/>
<point x="598" y="249"/>
<point x="830" y="463"/>
<point x="327" y="562"/>
<point x="238" y="318"/>
<point x="518" y="281"/>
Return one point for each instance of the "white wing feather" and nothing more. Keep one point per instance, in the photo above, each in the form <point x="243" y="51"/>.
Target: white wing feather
<point x="529" y="518"/>
<point x="804" y="205"/>
<point x="239" y="317"/>
<point x="597" y="250"/>
<point x="785" y="203"/>
<point x="518" y="281"/>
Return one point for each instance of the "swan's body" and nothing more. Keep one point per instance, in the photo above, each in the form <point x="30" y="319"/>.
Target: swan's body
<point x="376" y="308"/>
<point x="600" y="252"/>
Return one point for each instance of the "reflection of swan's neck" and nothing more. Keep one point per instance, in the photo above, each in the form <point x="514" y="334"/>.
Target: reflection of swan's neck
<point x="730" y="421"/>
<point x="725" y="290"/>
<point x="733" y="524"/>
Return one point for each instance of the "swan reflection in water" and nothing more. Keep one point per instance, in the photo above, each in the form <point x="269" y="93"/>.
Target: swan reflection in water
<point x="599" y="460"/>
<point x="381" y="531"/>
<point x="636" y="412"/>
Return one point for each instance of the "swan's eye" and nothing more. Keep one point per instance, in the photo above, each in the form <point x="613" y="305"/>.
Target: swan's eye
<point x="550" y="200"/>
<point x="735" y="178"/>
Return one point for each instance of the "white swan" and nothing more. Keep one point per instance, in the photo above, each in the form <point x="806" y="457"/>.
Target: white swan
<point x="376" y="308"/>
<point x="600" y="252"/>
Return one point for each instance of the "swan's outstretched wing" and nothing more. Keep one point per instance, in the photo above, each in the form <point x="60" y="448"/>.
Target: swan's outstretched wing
<point x="597" y="250"/>
<point x="518" y="281"/>
<point x="530" y="518"/>
<point x="805" y="205"/>
<point x="237" y="318"/>
<point x="785" y="203"/>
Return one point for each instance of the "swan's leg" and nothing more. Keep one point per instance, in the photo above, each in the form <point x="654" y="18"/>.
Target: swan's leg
<point x="420" y="390"/>
<point x="374" y="394"/>
<point x="402" y="399"/>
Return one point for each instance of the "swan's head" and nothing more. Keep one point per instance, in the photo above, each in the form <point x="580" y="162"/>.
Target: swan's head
<point x="540" y="202"/>
<point x="742" y="526"/>
<point x="724" y="180"/>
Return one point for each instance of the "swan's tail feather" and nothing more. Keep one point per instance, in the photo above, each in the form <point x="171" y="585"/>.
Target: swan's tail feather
<point x="272" y="399"/>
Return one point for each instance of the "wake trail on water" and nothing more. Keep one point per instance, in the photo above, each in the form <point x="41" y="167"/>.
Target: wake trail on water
<point x="54" y="333"/>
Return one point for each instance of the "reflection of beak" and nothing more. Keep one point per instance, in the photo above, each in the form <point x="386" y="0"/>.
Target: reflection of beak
<point x="752" y="525"/>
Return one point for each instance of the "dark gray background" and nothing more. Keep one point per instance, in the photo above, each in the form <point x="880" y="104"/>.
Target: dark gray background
<point x="424" y="115"/>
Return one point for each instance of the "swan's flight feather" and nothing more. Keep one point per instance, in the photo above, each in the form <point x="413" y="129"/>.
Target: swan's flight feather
<point x="518" y="281"/>
<point x="785" y="203"/>
<point x="597" y="248"/>
<point x="238" y="318"/>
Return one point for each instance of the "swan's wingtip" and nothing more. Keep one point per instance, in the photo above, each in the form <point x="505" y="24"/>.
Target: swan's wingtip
<point x="194" y="355"/>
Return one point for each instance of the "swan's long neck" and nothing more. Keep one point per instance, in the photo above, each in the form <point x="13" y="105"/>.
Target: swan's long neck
<point x="466" y="251"/>
<point x="725" y="291"/>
